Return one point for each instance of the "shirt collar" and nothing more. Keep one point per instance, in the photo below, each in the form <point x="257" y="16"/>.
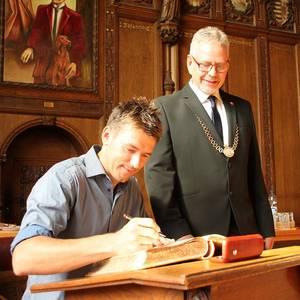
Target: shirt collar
<point x="92" y="162"/>
<point x="60" y="6"/>
<point x="202" y="96"/>
<point x="94" y="166"/>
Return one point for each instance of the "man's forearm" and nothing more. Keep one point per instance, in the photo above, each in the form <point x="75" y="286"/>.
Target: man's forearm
<point x="46" y="255"/>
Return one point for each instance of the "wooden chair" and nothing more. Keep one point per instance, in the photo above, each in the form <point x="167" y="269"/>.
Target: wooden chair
<point x="5" y="255"/>
<point x="11" y="286"/>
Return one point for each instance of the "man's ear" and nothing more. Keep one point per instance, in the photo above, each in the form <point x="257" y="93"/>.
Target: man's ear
<point x="106" y="134"/>
<point x="189" y="65"/>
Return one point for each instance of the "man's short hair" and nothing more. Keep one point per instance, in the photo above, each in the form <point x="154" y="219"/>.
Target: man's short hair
<point x="209" y="34"/>
<point x="141" y="112"/>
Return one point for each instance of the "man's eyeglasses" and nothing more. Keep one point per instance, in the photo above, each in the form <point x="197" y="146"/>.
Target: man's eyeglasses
<point x="206" y="66"/>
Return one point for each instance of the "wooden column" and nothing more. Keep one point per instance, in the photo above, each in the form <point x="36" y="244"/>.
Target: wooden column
<point x="169" y="33"/>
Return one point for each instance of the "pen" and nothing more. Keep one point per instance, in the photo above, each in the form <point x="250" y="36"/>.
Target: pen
<point x="129" y="218"/>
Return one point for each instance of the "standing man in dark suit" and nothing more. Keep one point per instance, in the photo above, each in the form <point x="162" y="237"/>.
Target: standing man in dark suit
<point x="205" y="173"/>
<point x="52" y="20"/>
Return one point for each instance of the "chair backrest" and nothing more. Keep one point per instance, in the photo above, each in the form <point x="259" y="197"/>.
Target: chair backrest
<point x="5" y="255"/>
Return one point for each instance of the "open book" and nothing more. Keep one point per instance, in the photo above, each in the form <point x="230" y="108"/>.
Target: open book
<point x="197" y="248"/>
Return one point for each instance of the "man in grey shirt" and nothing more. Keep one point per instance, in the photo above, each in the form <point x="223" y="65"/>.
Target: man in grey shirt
<point x="75" y="211"/>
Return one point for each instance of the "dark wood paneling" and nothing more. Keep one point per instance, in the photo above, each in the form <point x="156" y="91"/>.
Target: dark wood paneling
<point x="139" y="59"/>
<point x="284" y="67"/>
<point x="184" y="49"/>
<point x="242" y="75"/>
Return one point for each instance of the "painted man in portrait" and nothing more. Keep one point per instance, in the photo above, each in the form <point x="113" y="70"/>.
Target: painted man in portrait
<point x="52" y="21"/>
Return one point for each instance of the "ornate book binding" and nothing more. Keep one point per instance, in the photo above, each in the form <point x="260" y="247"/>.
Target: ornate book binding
<point x="198" y="248"/>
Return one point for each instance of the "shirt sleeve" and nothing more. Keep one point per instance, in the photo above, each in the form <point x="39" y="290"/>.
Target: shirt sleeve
<point x="51" y="200"/>
<point x="29" y="232"/>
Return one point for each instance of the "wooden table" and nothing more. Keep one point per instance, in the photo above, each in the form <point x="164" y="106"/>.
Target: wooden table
<point x="274" y="275"/>
<point x="8" y="233"/>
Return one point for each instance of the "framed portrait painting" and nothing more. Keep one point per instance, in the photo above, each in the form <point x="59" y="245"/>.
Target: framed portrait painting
<point x="50" y="44"/>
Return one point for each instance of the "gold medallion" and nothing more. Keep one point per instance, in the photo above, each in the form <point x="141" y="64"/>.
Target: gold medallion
<point x="228" y="151"/>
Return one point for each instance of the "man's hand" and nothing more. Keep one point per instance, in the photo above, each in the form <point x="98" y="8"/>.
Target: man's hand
<point x="269" y="242"/>
<point x="138" y="234"/>
<point x="26" y="55"/>
<point x="185" y="237"/>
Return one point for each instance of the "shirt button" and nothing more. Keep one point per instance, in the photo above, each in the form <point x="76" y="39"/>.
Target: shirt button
<point x="230" y="193"/>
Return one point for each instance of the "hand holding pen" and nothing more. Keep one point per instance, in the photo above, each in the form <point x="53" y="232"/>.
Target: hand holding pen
<point x="127" y="217"/>
<point x="139" y="234"/>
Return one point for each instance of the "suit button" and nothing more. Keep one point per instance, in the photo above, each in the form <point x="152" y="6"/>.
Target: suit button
<point x="230" y="193"/>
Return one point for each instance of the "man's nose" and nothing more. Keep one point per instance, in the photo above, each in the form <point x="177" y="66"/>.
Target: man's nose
<point x="212" y="70"/>
<point x="135" y="161"/>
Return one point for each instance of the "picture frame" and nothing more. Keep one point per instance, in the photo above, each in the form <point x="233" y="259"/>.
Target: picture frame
<point x="33" y="85"/>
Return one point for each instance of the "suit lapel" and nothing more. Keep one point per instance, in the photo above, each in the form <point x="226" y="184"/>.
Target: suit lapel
<point x="197" y="110"/>
<point x="49" y="14"/>
<point x="231" y="115"/>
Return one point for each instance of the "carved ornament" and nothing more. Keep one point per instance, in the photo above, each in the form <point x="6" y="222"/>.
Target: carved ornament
<point x="281" y="14"/>
<point x="169" y="33"/>
<point x="198" y="7"/>
<point x="240" y="10"/>
<point x="169" y="21"/>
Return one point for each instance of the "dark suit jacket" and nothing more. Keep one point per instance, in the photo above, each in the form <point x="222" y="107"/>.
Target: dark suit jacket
<point x="71" y="25"/>
<point x="192" y="187"/>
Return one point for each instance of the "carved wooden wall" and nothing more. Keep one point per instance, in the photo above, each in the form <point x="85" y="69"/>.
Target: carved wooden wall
<point x="142" y="52"/>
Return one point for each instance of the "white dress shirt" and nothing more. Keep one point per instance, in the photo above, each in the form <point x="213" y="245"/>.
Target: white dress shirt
<point x="202" y="97"/>
<point x="59" y="13"/>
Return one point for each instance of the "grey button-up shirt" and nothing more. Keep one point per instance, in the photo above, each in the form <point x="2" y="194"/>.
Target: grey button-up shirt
<point x="75" y="199"/>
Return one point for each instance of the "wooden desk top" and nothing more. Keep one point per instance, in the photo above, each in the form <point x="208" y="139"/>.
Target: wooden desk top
<point x="186" y="276"/>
